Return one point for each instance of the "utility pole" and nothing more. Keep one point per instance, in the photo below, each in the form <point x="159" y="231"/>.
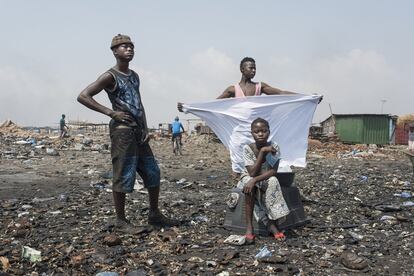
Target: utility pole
<point x="333" y="118"/>
<point x="382" y="105"/>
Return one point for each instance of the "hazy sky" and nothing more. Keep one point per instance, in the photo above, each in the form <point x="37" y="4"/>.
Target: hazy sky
<point x="355" y="53"/>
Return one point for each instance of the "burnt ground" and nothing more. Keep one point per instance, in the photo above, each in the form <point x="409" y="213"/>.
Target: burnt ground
<point x="62" y="206"/>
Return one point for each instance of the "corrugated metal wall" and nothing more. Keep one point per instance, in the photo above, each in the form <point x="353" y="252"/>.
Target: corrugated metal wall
<point x="363" y="129"/>
<point x="349" y="129"/>
<point x="376" y="130"/>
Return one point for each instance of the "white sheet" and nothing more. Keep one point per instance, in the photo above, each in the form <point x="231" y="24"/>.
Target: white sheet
<point x="289" y="117"/>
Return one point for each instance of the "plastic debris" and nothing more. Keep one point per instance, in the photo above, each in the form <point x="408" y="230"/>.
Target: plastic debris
<point x="363" y="178"/>
<point x="55" y="212"/>
<point x="263" y="253"/>
<point x="181" y="181"/>
<point x="195" y="259"/>
<point x="31" y="254"/>
<point x="235" y="239"/>
<point x="22" y="142"/>
<point x="100" y="185"/>
<point x="199" y="219"/>
<point x="408" y="204"/>
<point x="107" y="273"/>
<point x="52" y="152"/>
<point x="37" y="200"/>
<point x="63" y="197"/>
<point x="355" y="235"/>
<point x="389" y="219"/>
<point x="232" y="199"/>
<point x="404" y="195"/>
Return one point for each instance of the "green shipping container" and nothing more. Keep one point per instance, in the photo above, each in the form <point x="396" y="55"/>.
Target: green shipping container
<point x="363" y="129"/>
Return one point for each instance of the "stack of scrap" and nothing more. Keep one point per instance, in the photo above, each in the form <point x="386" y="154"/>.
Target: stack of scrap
<point x="405" y="119"/>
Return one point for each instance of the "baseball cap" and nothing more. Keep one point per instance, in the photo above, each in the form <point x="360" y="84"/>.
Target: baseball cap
<point x="120" y="39"/>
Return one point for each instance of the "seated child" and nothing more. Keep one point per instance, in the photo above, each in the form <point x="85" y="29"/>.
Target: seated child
<point x="259" y="183"/>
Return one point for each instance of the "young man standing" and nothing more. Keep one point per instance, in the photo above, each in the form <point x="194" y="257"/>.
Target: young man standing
<point x="130" y="150"/>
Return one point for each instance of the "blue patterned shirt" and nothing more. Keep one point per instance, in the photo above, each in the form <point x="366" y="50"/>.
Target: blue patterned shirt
<point x="126" y="97"/>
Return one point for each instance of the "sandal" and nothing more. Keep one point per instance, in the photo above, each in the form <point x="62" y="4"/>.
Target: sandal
<point x="280" y="236"/>
<point x="249" y="239"/>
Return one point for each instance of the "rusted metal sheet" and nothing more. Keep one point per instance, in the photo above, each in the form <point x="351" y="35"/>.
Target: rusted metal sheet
<point x="401" y="134"/>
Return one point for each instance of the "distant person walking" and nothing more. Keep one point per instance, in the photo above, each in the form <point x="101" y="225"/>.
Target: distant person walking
<point x="130" y="150"/>
<point x="176" y="128"/>
<point x="63" y="127"/>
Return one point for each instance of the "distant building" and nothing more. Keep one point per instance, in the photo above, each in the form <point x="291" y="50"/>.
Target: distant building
<point x="361" y="128"/>
<point x="80" y="127"/>
<point x="402" y="131"/>
<point x="315" y="131"/>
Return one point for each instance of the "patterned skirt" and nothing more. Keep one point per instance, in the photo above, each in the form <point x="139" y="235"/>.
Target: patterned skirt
<point x="269" y="203"/>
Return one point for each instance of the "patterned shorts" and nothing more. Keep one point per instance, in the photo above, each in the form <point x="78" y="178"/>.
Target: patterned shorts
<point x="129" y="156"/>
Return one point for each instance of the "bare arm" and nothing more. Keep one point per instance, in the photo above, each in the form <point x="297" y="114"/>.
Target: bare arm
<point x="228" y="93"/>
<point x="255" y="169"/>
<point x="266" y="175"/>
<point x="267" y="89"/>
<point x="248" y="188"/>
<point x="86" y="98"/>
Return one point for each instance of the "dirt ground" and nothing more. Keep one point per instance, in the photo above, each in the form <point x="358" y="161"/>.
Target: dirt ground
<point x="61" y="205"/>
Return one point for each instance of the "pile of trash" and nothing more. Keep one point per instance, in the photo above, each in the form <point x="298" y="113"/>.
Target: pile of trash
<point x="404" y="119"/>
<point x="339" y="150"/>
<point x="57" y="215"/>
<point x="16" y="142"/>
<point x="201" y="139"/>
<point x="10" y="129"/>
